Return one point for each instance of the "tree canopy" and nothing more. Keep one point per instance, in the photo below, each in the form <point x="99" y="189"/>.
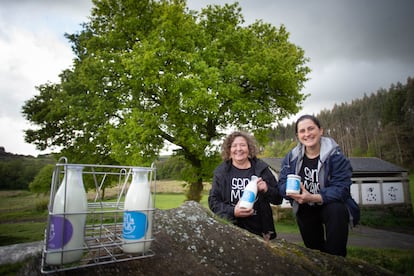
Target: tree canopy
<point x="148" y="72"/>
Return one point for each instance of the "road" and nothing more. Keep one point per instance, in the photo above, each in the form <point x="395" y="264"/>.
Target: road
<point x="362" y="236"/>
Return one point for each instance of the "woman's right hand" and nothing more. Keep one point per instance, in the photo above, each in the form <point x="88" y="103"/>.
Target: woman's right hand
<point x="242" y="212"/>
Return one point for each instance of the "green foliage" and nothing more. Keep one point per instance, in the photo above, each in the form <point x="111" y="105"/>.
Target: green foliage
<point x="42" y="181"/>
<point x="42" y="205"/>
<point x="278" y="148"/>
<point x="388" y="216"/>
<point x="170" y="168"/>
<point x="11" y="269"/>
<point x="12" y="233"/>
<point x="17" y="171"/>
<point x="150" y="72"/>
<point x="397" y="261"/>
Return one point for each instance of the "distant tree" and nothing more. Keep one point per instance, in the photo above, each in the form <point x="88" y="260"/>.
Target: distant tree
<point x="43" y="180"/>
<point x="279" y="148"/>
<point x="171" y="168"/>
<point x="147" y="72"/>
<point x="17" y="171"/>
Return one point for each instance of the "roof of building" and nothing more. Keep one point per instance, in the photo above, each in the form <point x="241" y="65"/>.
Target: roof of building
<point x="359" y="165"/>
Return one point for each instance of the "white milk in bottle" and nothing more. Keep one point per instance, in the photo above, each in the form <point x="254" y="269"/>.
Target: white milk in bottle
<point x="67" y="219"/>
<point x="249" y="194"/>
<point x="137" y="224"/>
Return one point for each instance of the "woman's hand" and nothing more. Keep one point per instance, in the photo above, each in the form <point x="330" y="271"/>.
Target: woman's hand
<point x="305" y="196"/>
<point x="242" y="212"/>
<point x="261" y="185"/>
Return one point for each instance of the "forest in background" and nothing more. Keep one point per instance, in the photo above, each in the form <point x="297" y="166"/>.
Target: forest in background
<point x="379" y="125"/>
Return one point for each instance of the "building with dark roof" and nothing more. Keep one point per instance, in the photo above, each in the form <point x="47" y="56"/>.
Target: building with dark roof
<point x="375" y="181"/>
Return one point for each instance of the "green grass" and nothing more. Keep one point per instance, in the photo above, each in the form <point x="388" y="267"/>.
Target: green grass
<point x="12" y="233"/>
<point x="166" y="201"/>
<point x="283" y="227"/>
<point x="397" y="261"/>
<point x="10" y="269"/>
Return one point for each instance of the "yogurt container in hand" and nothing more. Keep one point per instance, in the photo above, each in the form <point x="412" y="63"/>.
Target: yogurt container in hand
<point x="293" y="184"/>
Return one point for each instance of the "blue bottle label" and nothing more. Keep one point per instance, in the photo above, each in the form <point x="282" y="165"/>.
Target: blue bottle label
<point x="135" y="225"/>
<point x="60" y="232"/>
<point x="248" y="196"/>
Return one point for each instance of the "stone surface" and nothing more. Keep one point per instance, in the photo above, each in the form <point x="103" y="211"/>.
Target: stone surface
<point x="189" y="240"/>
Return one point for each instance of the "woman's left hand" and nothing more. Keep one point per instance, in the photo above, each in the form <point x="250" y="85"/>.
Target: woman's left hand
<point x="261" y="185"/>
<point x="305" y="196"/>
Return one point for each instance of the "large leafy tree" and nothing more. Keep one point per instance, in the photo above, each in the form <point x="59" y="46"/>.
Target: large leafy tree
<point x="148" y="72"/>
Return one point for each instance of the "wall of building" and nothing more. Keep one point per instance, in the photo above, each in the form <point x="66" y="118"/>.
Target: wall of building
<point x="374" y="191"/>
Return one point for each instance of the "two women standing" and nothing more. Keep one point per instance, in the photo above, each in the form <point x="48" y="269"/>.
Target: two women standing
<point x="321" y="209"/>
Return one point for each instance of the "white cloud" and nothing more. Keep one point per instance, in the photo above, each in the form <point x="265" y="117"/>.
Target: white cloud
<point x="12" y="136"/>
<point x="34" y="52"/>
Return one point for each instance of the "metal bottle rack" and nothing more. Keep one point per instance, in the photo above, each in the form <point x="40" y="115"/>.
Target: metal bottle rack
<point x="104" y="218"/>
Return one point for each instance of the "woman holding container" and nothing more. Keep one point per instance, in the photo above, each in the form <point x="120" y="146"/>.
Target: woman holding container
<point x="231" y="179"/>
<point x="323" y="204"/>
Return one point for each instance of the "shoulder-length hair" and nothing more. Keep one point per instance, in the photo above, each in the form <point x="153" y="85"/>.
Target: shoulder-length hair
<point x="226" y="146"/>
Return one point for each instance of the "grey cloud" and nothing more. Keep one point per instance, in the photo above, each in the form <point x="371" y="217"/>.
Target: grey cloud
<point x="353" y="29"/>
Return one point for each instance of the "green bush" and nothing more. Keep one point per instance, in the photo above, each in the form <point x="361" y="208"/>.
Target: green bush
<point x="41" y="205"/>
<point x="42" y="181"/>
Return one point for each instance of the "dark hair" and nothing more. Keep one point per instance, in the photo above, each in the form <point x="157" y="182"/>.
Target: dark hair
<point x="304" y="117"/>
<point x="226" y="146"/>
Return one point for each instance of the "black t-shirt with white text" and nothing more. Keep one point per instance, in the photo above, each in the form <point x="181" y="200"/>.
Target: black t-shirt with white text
<point x="309" y="174"/>
<point x="239" y="179"/>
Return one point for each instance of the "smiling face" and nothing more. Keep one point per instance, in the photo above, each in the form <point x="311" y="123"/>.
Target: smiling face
<point x="239" y="150"/>
<point x="309" y="134"/>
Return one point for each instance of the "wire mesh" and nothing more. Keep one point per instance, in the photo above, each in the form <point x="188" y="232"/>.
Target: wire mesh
<point x="102" y="241"/>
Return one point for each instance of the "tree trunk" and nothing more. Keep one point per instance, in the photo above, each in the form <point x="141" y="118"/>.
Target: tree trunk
<point x="194" y="190"/>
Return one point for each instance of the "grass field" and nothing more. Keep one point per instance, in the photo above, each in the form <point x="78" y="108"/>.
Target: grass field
<point x="23" y="215"/>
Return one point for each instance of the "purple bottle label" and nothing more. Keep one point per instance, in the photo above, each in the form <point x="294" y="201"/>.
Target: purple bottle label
<point x="135" y="225"/>
<point x="60" y="232"/>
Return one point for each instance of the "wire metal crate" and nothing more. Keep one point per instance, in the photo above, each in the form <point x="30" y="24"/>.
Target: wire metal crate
<point x="104" y="218"/>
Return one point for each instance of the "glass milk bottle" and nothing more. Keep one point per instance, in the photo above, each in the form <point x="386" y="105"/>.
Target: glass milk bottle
<point x="249" y="194"/>
<point x="67" y="220"/>
<point x="137" y="223"/>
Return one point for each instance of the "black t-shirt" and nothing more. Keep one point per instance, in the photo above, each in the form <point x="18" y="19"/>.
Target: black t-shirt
<point x="239" y="179"/>
<point x="309" y="174"/>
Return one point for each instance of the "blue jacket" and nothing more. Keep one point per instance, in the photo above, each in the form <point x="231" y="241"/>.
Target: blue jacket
<point x="220" y="202"/>
<point x="334" y="174"/>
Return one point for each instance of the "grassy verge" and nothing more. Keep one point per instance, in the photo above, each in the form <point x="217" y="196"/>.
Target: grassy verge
<point x="400" y="262"/>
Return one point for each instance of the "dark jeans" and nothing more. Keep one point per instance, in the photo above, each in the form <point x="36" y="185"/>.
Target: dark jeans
<point x="324" y="227"/>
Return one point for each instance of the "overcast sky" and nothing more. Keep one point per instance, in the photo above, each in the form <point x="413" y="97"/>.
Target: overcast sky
<point x="355" y="47"/>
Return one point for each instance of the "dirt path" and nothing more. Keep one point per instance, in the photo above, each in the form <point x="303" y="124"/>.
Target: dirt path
<point x="362" y="236"/>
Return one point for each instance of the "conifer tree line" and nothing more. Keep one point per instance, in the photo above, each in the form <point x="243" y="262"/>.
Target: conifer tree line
<point x="380" y="125"/>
